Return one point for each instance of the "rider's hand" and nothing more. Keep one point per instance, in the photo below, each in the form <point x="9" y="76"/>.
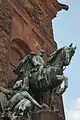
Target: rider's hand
<point x="45" y="106"/>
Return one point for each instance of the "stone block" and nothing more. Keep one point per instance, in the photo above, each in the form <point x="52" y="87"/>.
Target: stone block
<point x="45" y="115"/>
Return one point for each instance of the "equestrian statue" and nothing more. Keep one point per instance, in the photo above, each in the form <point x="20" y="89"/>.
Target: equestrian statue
<point x="35" y="76"/>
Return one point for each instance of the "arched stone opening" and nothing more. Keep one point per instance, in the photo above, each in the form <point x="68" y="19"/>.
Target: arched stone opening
<point x="18" y="49"/>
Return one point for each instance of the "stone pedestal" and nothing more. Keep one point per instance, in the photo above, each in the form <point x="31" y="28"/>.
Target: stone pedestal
<point x="45" y="115"/>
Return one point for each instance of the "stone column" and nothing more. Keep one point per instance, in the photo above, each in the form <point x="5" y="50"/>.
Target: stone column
<point x="5" y="32"/>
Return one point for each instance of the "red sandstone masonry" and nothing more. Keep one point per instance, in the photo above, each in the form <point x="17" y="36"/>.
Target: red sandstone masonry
<point x="31" y="23"/>
<point x="5" y="31"/>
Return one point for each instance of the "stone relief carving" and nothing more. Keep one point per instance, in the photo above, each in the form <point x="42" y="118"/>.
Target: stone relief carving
<point x="38" y="17"/>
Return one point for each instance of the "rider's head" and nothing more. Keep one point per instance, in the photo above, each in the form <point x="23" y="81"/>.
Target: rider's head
<point x="18" y="84"/>
<point x="41" y="53"/>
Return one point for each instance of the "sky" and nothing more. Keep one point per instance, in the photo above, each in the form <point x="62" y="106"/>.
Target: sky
<point x="66" y="29"/>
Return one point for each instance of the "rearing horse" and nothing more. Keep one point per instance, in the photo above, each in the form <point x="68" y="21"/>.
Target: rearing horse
<point x="53" y="72"/>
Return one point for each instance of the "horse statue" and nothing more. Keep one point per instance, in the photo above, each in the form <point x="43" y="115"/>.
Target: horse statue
<point x="53" y="75"/>
<point x="51" y="72"/>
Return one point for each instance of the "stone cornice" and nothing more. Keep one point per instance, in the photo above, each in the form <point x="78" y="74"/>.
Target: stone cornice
<point x="60" y="6"/>
<point x="51" y="7"/>
<point x="47" y="7"/>
<point x="38" y="15"/>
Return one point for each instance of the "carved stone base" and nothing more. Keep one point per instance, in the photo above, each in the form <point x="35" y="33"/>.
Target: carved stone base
<point x="45" y="115"/>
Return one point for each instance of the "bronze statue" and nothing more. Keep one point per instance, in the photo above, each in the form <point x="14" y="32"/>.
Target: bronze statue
<point x="37" y="76"/>
<point x="52" y="72"/>
<point x="30" y="64"/>
<point x="16" y="102"/>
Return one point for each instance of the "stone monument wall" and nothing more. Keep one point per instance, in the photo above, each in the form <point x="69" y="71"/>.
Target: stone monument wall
<point x="25" y="25"/>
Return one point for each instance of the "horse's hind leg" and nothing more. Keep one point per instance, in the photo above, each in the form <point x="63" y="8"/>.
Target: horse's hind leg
<point x="50" y="97"/>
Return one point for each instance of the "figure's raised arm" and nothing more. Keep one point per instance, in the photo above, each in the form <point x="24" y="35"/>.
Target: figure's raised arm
<point x="27" y="95"/>
<point x="5" y="91"/>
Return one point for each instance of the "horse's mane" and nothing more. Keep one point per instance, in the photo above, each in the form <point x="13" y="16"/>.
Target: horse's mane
<point x="52" y="57"/>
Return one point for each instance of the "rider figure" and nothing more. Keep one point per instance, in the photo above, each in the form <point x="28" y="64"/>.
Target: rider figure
<point x="30" y="64"/>
<point x="38" y="62"/>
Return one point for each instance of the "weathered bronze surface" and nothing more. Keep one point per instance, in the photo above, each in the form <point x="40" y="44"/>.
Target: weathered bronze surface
<point x="35" y="76"/>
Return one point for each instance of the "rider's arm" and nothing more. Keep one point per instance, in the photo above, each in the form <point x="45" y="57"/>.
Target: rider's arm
<point x="34" y="61"/>
<point x="33" y="100"/>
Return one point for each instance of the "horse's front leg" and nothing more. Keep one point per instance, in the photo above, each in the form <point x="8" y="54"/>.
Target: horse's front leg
<point x="65" y="79"/>
<point x="51" y="96"/>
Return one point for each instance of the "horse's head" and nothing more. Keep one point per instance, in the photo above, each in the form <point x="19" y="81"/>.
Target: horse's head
<point x="68" y="52"/>
<point x="62" y="56"/>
